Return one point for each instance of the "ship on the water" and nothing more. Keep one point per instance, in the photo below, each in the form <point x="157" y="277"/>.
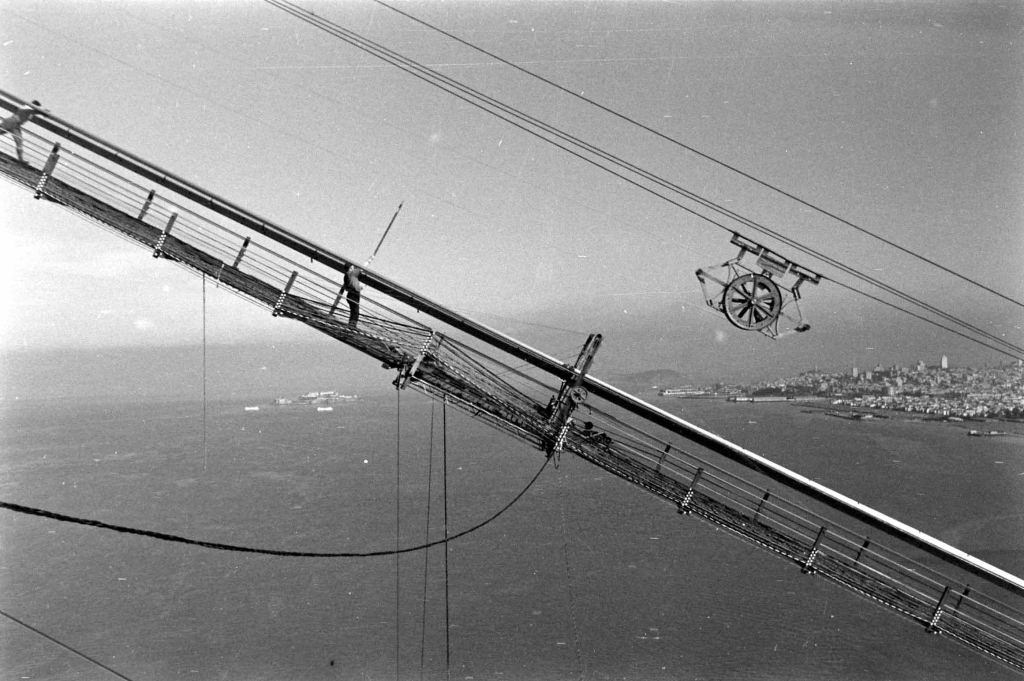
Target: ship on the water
<point x="692" y="392"/>
<point x="316" y="398"/>
<point x="760" y="398"/>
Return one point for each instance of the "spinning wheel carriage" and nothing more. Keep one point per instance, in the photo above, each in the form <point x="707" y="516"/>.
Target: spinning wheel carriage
<point x="753" y="297"/>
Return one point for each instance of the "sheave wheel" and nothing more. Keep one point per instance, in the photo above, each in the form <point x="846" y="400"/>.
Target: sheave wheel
<point x="752" y="302"/>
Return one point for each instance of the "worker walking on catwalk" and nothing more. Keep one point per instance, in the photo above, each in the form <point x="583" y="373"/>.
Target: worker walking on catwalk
<point x="12" y="124"/>
<point x="352" y="286"/>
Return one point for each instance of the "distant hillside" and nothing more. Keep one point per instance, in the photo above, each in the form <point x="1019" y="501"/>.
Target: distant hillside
<point x="648" y="381"/>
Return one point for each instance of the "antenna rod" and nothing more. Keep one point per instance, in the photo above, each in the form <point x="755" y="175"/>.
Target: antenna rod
<point x="385" y="236"/>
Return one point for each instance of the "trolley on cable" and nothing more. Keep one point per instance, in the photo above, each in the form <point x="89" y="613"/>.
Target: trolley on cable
<point x="754" y="296"/>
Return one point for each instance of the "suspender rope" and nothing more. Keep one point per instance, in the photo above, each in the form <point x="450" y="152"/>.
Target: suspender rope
<point x="205" y="453"/>
<point x="447" y="610"/>
<point x="569" y="584"/>
<point x="398" y="526"/>
<point x="426" y="538"/>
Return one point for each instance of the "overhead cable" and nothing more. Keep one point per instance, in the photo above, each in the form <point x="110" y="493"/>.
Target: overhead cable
<point x="483" y="102"/>
<point x="65" y="646"/>
<point x="879" y="300"/>
<point x="699" y="153"/>
<point x="471" y="95"/>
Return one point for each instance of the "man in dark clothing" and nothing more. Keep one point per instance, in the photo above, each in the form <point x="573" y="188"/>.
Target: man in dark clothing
<point x="352" y="286"/>
<point x="12" y="124"/>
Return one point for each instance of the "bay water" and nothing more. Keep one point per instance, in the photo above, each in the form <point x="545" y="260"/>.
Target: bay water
<point x="586" y="576"/>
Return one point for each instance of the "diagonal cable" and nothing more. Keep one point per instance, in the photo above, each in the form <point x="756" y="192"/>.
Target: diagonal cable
<point x="483" y="101"/>
<point x="699" y="153"/>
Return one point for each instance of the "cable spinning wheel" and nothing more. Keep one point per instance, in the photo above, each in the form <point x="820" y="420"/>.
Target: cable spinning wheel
<point x="752" y="301"/>
<point x="753" y="297"/>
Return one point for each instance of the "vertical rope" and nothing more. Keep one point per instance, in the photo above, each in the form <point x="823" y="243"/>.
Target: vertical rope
<point x="572" y="592"/>
<point x="426" y="539"/>
<point x="447" y="609"/>
<point x="205" y="453"/>
<point x="398" y="525"/>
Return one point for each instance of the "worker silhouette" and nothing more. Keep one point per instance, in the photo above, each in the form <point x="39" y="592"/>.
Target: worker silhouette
<point x="591" y="435"/>
<point x="12" y="124"/>
<point x="351" y="288"/>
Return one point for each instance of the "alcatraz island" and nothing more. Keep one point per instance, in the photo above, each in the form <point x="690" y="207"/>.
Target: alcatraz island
<point x="939" y="391"/>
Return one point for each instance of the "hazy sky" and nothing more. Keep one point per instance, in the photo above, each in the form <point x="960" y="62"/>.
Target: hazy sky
<point x="902" y="118"/>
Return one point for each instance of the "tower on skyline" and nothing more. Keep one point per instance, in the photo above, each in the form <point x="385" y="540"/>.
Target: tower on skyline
<point x="945" y="362"/>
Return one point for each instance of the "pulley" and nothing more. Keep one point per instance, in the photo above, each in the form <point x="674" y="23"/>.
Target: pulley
<point x="752" y="302"/>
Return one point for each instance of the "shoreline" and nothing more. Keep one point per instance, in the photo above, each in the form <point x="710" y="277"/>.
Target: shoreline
<point x="969" y="424"/>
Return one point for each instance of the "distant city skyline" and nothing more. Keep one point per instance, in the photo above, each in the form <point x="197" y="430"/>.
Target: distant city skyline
<point x="957" y="392"/>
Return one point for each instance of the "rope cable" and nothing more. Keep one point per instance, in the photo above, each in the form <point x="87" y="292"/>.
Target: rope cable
<point x="205" y="451"/>
<point x="447" y="605"/>
<point x="434" y="78"/>
<point x="892" y="305"/>
<point x="697" y="152"/>
<point x="569" y="582"/>
<point x="64" y="645"/>
<point x="841" y="284"/>
<point x="836" y="263"/>
<point x="426" y="537"/>
<point x="239" y="548"/>
<point x="398" y="525"/>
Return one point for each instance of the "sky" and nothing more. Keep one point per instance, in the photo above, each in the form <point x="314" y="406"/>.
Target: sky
<point x="902" y="118"/>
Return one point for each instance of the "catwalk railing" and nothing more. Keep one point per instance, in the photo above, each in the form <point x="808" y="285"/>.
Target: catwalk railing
<point x="510" y="387"/>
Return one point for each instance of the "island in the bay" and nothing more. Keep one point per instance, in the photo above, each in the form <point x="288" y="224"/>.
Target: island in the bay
<point x="316" y="398"/>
